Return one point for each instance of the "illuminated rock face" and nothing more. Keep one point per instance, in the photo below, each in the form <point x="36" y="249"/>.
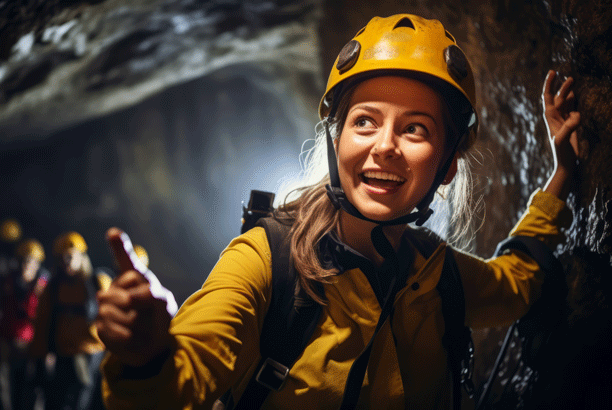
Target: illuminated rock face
<point x="159" y="116"/>
<point x="156" y="117"/>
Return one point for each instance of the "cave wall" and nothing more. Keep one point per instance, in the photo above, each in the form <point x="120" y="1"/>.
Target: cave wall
<point x="160" y="118"/>
<point x="511" y="46"/>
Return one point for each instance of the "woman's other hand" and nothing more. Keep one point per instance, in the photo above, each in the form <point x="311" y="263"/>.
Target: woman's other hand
<point x="562" y="124"/>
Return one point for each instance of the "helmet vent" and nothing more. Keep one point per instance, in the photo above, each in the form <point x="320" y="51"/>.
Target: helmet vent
<point x="348" y="56"/>
<point x="456" y="63"/>
<point x="449" y="35"/>
<point x="405" y="22"/>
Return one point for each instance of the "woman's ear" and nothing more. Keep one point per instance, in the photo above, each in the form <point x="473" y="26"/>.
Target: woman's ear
<point x="452" y="171"/>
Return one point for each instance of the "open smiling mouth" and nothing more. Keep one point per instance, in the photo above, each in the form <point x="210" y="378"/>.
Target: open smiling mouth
<point x="382" y="180"/>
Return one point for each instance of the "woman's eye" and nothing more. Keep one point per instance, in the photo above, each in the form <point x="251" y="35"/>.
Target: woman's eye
<point x="416" y="129"/>
<point x="363" y="122"/>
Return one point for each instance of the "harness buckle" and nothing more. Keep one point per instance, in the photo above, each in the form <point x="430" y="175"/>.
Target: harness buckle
<point x="272" y="374"/>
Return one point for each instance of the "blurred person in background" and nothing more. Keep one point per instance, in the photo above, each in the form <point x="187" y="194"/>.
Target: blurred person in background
<point x="10" y="234"/>
<point x="20" y="291"/>
<point x="142" y="254"/>
<point x="66" y="347"/>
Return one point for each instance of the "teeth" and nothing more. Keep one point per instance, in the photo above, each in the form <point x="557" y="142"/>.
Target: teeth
<point x="383" y="175"/>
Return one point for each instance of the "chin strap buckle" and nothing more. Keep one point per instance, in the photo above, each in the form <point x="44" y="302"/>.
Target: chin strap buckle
<point x="334" y="193"/>
<point x="423" y="217"/>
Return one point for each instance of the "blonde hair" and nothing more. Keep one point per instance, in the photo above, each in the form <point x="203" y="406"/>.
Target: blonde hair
<point x="314" y="216"/>
<point x="312" y="213"/>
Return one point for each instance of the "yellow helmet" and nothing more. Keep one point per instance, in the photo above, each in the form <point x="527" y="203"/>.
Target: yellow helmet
<point x="10" y="231"/>
<point x="32" y="248"/>
<point x="396" y="45"/>
<point x="403" y="42"/>
<point x="142" y="254"/>
<point x="67" y="241"/>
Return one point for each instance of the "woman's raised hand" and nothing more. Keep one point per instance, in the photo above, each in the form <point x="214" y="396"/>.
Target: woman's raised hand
<point x="134" y="313"/>
<point x="562" y="124"/>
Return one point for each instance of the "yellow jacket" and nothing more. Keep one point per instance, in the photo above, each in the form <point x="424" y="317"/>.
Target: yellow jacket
<point x="73" y="333"/>
<point x="216" y="331"/>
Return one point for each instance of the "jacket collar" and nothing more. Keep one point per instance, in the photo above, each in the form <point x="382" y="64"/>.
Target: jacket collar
<point x="333" y="253"/>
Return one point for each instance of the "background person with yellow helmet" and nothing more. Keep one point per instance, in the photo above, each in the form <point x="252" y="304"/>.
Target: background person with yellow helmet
<point x="10" y="235"/>
<point x="398" y="118"/>
<point x="64" y="331"/>
<point x="142" y="254"/>
<point x="19" y="294"/>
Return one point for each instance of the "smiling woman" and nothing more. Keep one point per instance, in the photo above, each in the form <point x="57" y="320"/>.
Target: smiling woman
<point x="391" y="146"/>
<point x="398" y="118"/>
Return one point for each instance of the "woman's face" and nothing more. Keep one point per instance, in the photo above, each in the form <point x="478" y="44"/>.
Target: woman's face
<point x="391" y="145"/>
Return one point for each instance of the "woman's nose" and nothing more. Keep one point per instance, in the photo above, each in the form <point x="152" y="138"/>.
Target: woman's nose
<point x="386" y="143"/>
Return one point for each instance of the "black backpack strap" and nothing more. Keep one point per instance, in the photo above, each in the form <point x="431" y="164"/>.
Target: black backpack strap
<point x="457" y="339"/>
<point x="289" y="323"/>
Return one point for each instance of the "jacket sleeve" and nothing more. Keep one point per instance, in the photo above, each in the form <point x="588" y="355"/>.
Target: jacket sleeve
<point x="216" y="335"/>
<point x="500" y="290"/>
